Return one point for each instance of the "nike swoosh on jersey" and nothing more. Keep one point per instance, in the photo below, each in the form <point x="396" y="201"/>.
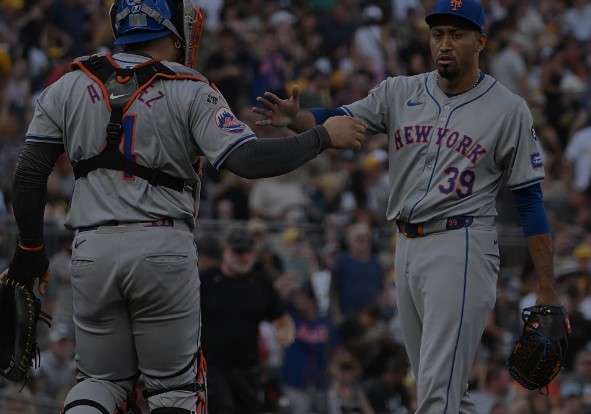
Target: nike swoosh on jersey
<point x="111" y="96"/>
<point x="411" y="103"/>
<point x="78" y="243"/>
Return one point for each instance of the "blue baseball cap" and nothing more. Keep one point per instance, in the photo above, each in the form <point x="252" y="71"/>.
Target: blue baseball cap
<point x="469" y="10"/>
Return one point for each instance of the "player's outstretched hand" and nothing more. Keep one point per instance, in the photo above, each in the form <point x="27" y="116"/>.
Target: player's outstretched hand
<point x="278" y="112"/>
<point x="346" y="132"/>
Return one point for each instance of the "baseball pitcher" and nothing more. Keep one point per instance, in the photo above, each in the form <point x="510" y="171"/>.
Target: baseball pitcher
<point x="455" y="135"/>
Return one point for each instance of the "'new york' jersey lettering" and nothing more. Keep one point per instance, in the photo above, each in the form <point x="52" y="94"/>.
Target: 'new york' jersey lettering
<point x="457" y="149"/>
<point x="419" y="134"/>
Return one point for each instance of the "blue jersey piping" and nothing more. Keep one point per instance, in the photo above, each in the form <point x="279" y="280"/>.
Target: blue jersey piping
<point x="41" y="138"/>
<point x="453" y="361"/>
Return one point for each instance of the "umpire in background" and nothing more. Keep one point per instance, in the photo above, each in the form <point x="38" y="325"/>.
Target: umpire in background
<point x="235" y="300"/>
<point x="135" y="126"/>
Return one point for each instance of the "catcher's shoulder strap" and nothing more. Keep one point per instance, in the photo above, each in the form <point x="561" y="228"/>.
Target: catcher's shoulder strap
<point x="120" y="87"/>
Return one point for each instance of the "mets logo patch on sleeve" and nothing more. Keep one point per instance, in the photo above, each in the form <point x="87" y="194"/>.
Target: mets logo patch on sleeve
<point x="536" y="160"/>
<point x="225" y="119"/>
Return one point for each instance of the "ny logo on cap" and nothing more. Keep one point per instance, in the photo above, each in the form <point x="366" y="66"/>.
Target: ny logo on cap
<point x="455" y="4"/>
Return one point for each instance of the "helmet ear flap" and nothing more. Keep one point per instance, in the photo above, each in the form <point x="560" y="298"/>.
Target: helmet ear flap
<point x="113" y="18"/>
<point x="178" y="17"/>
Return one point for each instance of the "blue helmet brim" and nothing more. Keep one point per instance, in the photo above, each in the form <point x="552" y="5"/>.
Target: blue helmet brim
<point x="140" y="37"/>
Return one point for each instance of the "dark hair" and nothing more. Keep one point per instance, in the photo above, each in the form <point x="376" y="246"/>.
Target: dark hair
<point x="346" y="365"/>
<point x="208" y="246"/>
<point x="397" y="363"/>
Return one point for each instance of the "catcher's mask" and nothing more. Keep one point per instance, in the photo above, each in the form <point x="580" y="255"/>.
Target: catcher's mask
<point x="138" y="21"/>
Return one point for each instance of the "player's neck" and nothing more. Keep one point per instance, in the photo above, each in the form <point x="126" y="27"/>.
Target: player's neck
<point x="156" y="49"/>
<point x="459" y="85"/>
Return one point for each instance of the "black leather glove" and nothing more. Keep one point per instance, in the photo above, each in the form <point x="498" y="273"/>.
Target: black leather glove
<point x="539" y="351"/>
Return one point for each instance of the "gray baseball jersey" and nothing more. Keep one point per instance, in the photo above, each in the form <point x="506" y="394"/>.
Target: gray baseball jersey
<point x="448" y="156"/>
<point x="152" y="127"/>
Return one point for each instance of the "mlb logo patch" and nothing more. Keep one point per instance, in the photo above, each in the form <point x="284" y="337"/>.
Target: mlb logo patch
<point x="211" y="98"/>
<point x="536" y="160"/>
<point x="225" y="119"/>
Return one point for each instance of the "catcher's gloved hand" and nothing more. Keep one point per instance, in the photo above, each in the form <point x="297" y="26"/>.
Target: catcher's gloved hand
<point x="20" y="310"/>
<point x="540" y="349"/>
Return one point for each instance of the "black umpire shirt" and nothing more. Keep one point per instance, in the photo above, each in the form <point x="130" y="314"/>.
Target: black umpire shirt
<point x="231" y="310"/>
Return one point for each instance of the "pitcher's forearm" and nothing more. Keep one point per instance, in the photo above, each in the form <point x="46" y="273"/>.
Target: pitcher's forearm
<point x="540" y="249"/>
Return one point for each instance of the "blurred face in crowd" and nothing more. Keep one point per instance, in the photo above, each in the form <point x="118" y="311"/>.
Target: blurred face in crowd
<point x="359" y="238"/>
<point x="305" y="304"/>
<point x="62" y="349"/>
<point x="583" y="366"/>
<point x="344" y="371"/>
<point x="238" y="261"/>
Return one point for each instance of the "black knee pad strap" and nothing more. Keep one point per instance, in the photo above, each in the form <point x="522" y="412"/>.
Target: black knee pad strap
<point x="172" y="410"/>
<point x="89" y="403"/>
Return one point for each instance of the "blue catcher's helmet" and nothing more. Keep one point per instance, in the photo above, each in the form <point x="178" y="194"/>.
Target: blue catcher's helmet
<point x="137" y="21"/>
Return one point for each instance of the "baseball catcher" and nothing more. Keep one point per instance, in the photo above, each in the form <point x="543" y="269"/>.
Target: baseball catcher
<point x="20" y="309"/>
<point x="539" y="351"/>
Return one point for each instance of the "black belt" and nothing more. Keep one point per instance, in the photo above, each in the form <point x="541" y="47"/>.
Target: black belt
<point x="163" y="222"/>
<point x="412" y="230"/>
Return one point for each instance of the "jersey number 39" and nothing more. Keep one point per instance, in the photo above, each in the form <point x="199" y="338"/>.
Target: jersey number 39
<point x="460" y="182"/>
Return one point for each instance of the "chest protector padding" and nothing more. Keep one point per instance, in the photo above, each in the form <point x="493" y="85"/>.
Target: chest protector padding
<point x="120" y="87"/>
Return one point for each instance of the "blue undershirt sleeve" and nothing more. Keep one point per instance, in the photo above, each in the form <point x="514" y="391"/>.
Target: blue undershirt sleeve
<point x="529" y="202"/>
<point x="322" y="114"/>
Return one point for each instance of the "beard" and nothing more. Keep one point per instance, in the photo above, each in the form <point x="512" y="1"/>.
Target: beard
<point x="448" y="72"/>
<point x="241" y="267"/>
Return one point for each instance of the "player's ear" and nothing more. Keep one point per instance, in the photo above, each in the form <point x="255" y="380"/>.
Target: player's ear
<point x="481" y="42"/>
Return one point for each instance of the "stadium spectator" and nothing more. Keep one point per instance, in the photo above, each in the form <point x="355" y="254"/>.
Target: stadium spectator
<point x="235" y="300"/>
<point x="280" y="198"/>
<point x="305" y="362"/>
<point x="357" y="276"/>
<point x="388" y="393"/>
<point x="58" y="297"/>
<point x="497" y="390"/>
<point x="345" y="394"/>
<point x="58" y="369"/>
<point x="510" y="67"/>
<point x="267" y="260"/>
<point x="228" y="68"/>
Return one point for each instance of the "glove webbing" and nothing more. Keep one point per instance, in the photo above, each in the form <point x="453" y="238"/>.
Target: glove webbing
<point x="528" y="384"/>
<point x="31" y="351"/>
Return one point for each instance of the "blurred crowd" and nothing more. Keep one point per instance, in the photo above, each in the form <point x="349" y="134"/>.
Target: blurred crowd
<point x="321" y="233"/>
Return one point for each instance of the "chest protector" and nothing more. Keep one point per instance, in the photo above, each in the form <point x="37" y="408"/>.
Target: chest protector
<point x="120" y="87"/>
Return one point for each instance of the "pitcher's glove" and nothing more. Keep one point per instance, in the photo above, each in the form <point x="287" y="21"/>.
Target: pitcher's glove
<point x="539" y="351"/>
<point x="20" y="310"/>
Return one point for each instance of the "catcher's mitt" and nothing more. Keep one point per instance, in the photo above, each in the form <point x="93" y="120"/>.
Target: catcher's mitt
<point x="540" y="349"/>
<point x="20" y="310"/>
